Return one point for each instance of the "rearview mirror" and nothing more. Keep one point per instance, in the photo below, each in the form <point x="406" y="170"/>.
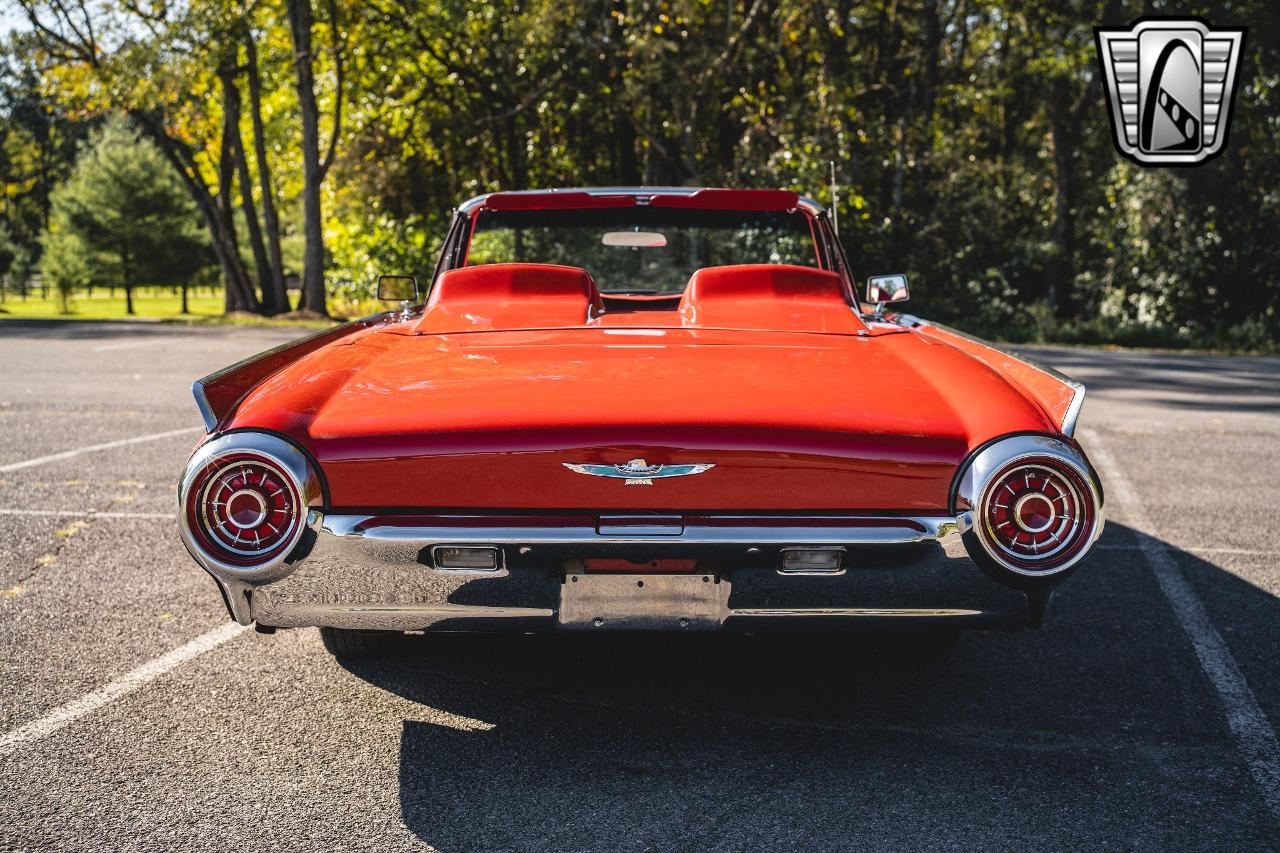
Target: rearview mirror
<point x="398" y="288"/>
<point x="887" y="288"/>
<point x="634" y="239"/>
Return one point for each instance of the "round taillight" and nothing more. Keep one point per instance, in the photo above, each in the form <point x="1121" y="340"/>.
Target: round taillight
<point x="1036" y="516"/>
<point x="244" y="509"/>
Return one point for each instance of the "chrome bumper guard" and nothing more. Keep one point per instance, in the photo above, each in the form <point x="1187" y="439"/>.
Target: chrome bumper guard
<point x="376" y="573"/>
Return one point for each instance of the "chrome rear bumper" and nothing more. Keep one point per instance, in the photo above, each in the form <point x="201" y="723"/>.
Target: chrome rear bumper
<point x="376" y="573"/>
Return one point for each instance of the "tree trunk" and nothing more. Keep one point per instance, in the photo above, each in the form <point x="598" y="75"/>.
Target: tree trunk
<point x="1065" y="132"/>
<point x="236" y="284"/>
<point x="277" y="298"/>
<point x="300" y="20"/>
<point x="231" y="105"/>
<point x="126" y="280"/>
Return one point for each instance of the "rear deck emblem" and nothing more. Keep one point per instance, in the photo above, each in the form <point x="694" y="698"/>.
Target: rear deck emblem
<point x="1170" y="86"/>
<point x="637" y="472"/>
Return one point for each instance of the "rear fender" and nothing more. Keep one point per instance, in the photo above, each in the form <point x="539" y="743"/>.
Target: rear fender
<point x="1059" y="396"/>
<point x="218" y="394"/>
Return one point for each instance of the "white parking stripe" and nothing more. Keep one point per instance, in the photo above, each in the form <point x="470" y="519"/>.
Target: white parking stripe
<point x="1189" y="548"/>
<point x="1253" y="732"/>
<point x="108" y="445"/>
<point x="87" y="513"/>
<point x="131" y="344"/>
<point x="66" y="714"/>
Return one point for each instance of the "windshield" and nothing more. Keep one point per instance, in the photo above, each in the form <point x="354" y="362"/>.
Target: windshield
<point x="642" y="250"/>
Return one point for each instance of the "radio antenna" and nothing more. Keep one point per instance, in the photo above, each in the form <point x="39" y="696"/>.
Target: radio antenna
<point x="835" y="200"/>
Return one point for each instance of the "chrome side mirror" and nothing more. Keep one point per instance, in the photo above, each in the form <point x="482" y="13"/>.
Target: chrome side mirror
<point x="882" y="289"/>
<point x="398" y="288"/>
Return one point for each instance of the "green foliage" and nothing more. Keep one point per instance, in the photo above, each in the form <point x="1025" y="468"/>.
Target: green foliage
<point x="37" y="147"/>
<point x="8" y="250"/>
<point x="68" y="263"/>
<point x="971" y="138"/>
<point x="121" y="218"/>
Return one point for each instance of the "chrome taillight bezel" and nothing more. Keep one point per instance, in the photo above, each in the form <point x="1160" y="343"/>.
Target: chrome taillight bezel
<point x="212" y="458"/>
<point x="996" y="462"/>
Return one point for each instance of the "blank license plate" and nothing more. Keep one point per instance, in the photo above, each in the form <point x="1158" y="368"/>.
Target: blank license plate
<point x="643" y="602"/>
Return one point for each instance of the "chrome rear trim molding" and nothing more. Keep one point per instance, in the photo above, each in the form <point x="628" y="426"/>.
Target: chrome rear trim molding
<point x="202" y="403"/>
<point x="875" y="612"/>
<point x="727" y="531"/>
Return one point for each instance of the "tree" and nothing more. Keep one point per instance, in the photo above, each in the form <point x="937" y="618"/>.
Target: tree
<point x="175" y="70"/>
<point x="314" y="167"/>
<point x="122" y="217"/>
<point x="8" y="251"/>
<point x="971" y="138"/>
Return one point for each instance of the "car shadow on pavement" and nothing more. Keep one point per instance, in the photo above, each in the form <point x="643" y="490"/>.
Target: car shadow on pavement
<point x="1100" y="730"/>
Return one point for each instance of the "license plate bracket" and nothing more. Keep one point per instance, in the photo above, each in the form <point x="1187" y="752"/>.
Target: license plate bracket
<point x="601" y="602"/>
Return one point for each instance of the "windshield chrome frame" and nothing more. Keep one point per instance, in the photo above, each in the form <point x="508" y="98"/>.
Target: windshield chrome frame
<point x="458" y="241"/>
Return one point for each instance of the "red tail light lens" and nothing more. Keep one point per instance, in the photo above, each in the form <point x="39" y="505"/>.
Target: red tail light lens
<point x="244" y="509"/>
<point x="1037" y="515"/>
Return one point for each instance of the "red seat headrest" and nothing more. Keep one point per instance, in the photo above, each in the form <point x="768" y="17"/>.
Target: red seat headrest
<point x="768" y="296"/>
<point x="509" y="296"/>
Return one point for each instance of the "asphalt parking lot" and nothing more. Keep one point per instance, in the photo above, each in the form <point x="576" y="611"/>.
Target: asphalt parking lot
<point x="134" y="716"/>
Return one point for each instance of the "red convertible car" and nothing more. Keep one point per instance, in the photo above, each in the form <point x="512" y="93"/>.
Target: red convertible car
<point x="638" y="409"/>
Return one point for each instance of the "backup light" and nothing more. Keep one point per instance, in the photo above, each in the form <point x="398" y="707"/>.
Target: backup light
<point x="812" y="561"/>
<point x="471" y="558"/>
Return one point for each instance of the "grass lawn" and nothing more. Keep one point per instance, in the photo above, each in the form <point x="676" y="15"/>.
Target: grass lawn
<point x="149" y="303"/>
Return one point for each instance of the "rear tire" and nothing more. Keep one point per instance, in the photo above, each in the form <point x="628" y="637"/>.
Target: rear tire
<point x="346" y="644"/>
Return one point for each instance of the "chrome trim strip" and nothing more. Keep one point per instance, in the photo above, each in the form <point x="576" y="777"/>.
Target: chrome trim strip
<point x="771" y="612"/>
<point x="202" y="403"/>
<point x="747" y="532"/>
<point x="1069" y="418"/>
<point x="410" y="617"/>
<point x="403" y="617"/>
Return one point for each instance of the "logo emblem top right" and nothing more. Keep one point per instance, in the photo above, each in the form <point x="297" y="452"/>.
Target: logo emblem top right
<point x="1170" y="85"/>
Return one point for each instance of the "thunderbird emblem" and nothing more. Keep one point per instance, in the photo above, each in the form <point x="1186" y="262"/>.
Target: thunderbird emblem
<point x="637" y="472"/>
<point x="1170" y="86"/>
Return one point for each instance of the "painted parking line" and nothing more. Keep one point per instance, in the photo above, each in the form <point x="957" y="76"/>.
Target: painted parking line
<point x="85" y="513"/>
<point x="1191" y="549"/>
<point x="1254" y="735"/>
<point x="133" y="344"/>
<point x="64" y="715"/>
<point x="107" y="445"/>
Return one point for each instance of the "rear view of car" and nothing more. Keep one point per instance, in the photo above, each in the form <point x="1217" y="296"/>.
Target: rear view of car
<point x="639" y="409"/>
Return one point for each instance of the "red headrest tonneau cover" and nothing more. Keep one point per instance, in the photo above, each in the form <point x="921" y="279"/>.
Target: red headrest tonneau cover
<point x="556" y="200"/>
<point x="509" y="296"/>
<point x="721" y="199"/>
<point x="779" y="297"/>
